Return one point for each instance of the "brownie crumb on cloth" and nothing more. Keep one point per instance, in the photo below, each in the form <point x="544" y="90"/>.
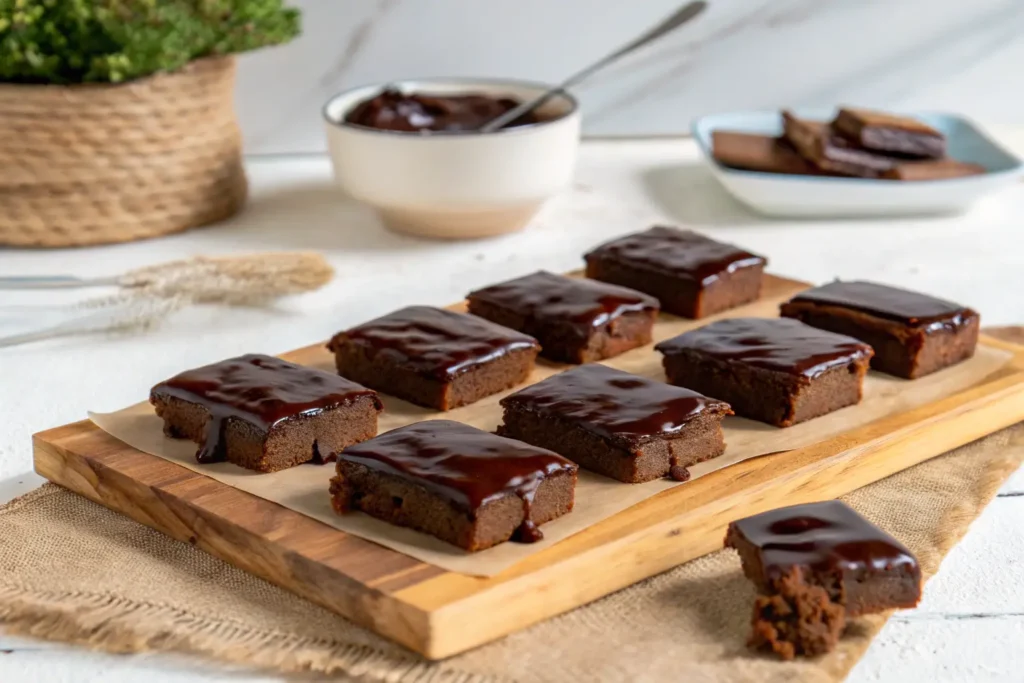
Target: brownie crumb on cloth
<point x="797" y="620"/>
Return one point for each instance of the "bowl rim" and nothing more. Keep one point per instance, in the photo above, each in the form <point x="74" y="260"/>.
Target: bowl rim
<point x="574" y="107"/>
<point x="704" y="126"/>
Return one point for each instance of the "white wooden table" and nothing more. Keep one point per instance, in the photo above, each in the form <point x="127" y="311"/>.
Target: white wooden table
<point x="970" y="625"/>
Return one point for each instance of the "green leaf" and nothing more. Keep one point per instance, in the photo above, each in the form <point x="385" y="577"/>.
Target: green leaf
<point x="76" y="41"/>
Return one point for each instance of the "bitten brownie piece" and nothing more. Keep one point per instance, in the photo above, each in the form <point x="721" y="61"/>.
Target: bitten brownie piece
<point x="264" y="413"/>
<point x="463" y="485"/>
<point x="819" y="144"/>
<point x="797" y="619"/>
<point x="620" y="425"/>
<point x="775" y="370"/>
<point x="889" y="133"/>
<point x="912" y="334"/>
<point x="691" y="275"/>
<point x="575" y="320"/>
<point x="433" y="357"/>
<point x="861" y="567"/>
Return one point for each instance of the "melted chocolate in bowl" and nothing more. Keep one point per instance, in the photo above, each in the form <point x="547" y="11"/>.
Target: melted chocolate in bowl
<point x="394" y="110"/>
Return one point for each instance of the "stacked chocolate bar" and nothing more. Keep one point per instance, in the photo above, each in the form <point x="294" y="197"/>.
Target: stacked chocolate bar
<point x="856" y="143"/>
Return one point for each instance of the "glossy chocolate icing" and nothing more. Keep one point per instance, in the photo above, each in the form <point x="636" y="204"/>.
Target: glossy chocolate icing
<point x="891" y="303"/>
<point x="260" y="390"/>
<point x="677" y="253"/>
<point x="436" y="342"/>
<point x="626" y="409"/>
<point x="465" y="465"/>
<point x="824" y="536"/>
<point x="584" y="305"/>
<point x="779" y="344"/>
<point x="421" y="112"/>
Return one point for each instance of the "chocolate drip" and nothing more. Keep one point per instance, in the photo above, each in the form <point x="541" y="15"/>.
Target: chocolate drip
<point x="892" y="303"/>
<point x="582" y="304"/>
<point x="824" y="536"/>
<point x="435" y="342"/>
<point x="614" y="404"/>
<point x="780" y="344"/>
<point x="676" y="471"/>
<point x="677" y="253"/>
<point x="260" y="390"/>
<point x="421" y="112"/>
<point x="528" y="531"/>
<point x="467" y="466"/>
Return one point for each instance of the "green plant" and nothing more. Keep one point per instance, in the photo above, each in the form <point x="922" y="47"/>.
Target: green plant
<point x="79" y="41"/>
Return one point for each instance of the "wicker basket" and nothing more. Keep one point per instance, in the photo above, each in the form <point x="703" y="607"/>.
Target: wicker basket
<point x="95" y="164"/>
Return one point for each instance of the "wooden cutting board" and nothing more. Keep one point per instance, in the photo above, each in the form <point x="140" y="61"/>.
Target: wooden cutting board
<point x="439" y="613"/>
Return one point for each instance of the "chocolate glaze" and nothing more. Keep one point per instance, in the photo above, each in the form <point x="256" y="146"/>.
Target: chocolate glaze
<point x="780" y="344"/>
<point x="436" y="342"/>
<point x="678" y="253"/>
<point x="626" y="409"/>
<point x="261" y="390"/>
<point x="824" y="536"/>
<point x="584" y="305"/>
<point x="465" y="465"/>
<point x="891" y="303"/>
<point x="424" y="113"/>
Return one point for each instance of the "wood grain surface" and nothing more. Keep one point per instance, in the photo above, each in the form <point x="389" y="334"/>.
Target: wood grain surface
<point x="428" y="609"/>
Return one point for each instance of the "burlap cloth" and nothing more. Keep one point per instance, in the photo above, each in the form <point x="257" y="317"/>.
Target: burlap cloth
<point x="73" y="571"/>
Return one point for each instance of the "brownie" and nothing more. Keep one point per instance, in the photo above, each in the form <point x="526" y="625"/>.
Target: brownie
<point x="819" y="144"/>
<point x="461" y="484"/>
<point x="889" y="133"/>
<point x="933" y="170"/>
<point x="691" y="275"/>
<point x="264" y="413"/>
<point x="775" y="370"/>
<point x="862" y="568"/>
<point x="434" y="357"/>
<point x="912" y="334"/>
<point x="575" y="320"/>
<point x="620" y="425"/>
<point x="796" y="619"/>
<point x="764" y="153"/>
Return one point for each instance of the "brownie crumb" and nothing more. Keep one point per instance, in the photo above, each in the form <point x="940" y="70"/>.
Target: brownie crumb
<point x="799" y="619"/>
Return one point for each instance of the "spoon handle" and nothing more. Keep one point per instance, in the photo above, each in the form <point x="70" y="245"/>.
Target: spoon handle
<point x="667" y="25"/>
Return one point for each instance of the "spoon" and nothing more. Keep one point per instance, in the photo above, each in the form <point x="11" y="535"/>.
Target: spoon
<point x="669" y="24"/>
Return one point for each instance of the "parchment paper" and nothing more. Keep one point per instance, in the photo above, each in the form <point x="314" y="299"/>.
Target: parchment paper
<point x="304" y="488"/>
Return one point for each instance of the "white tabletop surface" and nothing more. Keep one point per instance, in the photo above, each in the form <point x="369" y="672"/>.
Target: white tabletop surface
<point x="969" y="626"/>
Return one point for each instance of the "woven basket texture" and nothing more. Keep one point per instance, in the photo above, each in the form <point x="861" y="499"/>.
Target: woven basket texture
<point x="97" y="164"/>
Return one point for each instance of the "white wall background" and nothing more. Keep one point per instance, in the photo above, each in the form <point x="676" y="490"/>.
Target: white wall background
<point x="963" y="55"/>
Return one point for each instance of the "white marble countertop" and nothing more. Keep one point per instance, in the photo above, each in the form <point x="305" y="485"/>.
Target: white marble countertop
<point x="740" y="54"/>
<point x="971" y="621"/>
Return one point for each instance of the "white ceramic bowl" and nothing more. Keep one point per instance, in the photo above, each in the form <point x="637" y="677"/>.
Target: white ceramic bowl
<point x="774" y="194"/>
<point x="455" y="185"/>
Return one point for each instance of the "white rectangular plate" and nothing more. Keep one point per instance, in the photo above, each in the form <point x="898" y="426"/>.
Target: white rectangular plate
<point x="776" y="194"/>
